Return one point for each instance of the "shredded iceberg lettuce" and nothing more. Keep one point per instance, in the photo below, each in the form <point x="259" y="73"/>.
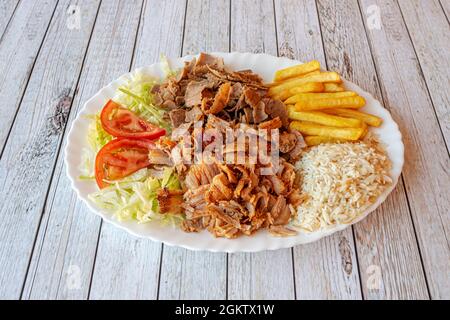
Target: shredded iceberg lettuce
<point x="166" y="66"/>
<point x="97" y="137"/>
<point x="135" y="197"/>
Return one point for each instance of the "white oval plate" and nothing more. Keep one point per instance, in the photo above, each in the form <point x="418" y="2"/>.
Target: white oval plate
<point x="265" y="65"/>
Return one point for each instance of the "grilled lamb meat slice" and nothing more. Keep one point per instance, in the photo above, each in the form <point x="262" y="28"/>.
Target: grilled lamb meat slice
<point x="188" y="67"/>
<point x="296" y="197"/>
<point x="271" y="124"/>
<point x="300" y="144"/>
<point x="252" y="96"/>
<point x="207" y="59"/>
<point x="169" y="104"/>
<point x="194" y="225"/>
<point x="280" y="212"/>
<point x="215" y="122"/>
<point x="194" y="202"/>
<point x="248" y="76"/>
<point x="277" y="184"/>
<point x="236" y="91"/>
<point x="219" y="189"/>
<point x="200" y="174"/>
<point x="259" y="114"/>
<point x="194" y="90"/>
<point x="281" y="231"/>
<point x="177" y="117"/>
<point x="276" y="108"/>
<point x="219" y="213"/>
<point x="288" y="141"/>
<point x="195" y="114"/>
<point x="231" y="176"/>
<point x="221" y="99"/>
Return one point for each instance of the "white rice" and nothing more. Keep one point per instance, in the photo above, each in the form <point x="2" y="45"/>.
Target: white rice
<point x="339" y="182"/>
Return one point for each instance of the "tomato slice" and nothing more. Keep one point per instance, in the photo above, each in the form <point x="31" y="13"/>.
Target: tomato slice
<point x="120" y="158"/>
<point x="121" y="122"/>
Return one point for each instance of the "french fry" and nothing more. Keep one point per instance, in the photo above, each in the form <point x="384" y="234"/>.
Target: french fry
<point x="276" y="83"/>
<point x="307" y="87"/>
<point x="366" y="129"/>
<point x="314" y="86"/>
<point x="308" y="104"/>
<point x="316" y="140"/>
<point x="370" y="119"/>
<point x="324" y="119"/>
<point x="287" y="85"/>
<point x="313" y="129"/>
<point x="333" y="87"/>
<point x="297" y="70"/>
<point x="322" y="95"/>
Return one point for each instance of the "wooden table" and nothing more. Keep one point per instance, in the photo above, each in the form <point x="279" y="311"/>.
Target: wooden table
<point x="54" y="55"/>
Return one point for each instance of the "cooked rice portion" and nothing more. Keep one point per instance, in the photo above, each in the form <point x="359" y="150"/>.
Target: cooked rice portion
<point x="339" y="181"/>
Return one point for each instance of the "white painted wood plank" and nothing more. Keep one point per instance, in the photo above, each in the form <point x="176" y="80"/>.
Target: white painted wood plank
<point x="388" y="255"/>
<point x="28" y="160"/>
<point x="160" y="31"/>
<point x="19" y="46"/>
<point x="425" y="172"/>
<point x="446" y="7"/>
<point x="265" y="275"/>
<point x="390" y="227"/>
<point x="207" y="26"/>
<point x="326" y="269"/>
<point x="298" y="30"/>
<point x="7" y="9"/>
<point x="253" y="26"/>
<point x="64" y="254"/>
<point x="126" y="267"/>
<point x="430" y="33"/>
<point x="189" y="274"/>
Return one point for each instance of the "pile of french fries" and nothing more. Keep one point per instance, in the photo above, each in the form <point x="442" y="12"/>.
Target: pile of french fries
<point x="319" y="105"/>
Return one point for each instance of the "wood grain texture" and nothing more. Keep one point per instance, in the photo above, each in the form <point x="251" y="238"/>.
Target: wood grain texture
<point x="250" y="274"/>
<point x="425" y="173"/>
<point x="26" y="166"/>
<point x="429" y="30"/>
<point x="380" y="243"/>
<point x="53" y="247"/>
<point x="160" y="31"/>
<point x="328" y="268"/>
<point x="126" y="267"/>
<point x="262" y="275"/>
<point x="19" y="46"/>
<point x="186" y="274"/>
<point x="207" y="26"/>
<point x="65" y="250"/>
<point x="7" y="9"/>
<point x="445" y="4"/>
<point x="253" y="26"/>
